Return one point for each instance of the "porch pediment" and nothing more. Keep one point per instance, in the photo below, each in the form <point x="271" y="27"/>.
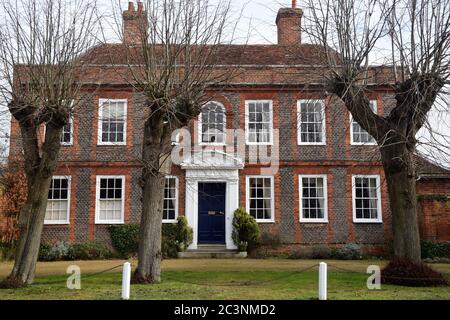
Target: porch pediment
<point x="212" y="160"/>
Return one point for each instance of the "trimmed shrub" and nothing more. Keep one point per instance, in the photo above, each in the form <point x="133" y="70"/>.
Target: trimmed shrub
<point x="44" y="252"/>
<point x="63" y="251"/>
<point x="125" y="239"/>
<point x="91" y="250"/>
<point x="245" y="230"/>
<point x="406" y="273"/>
<point x="184" y="234"/>
<point x="271" y="240"/>
<point x="321" y="252"/>
<point x="299" y="254"/>
<point x="350" y="251"/>
<point x="175" y="238"/>
<point x="169" y="245"/>
<point x="433" y="250"/>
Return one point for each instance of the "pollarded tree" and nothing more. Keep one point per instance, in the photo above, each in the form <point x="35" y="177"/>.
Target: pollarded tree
<point x="413" y="40"/>
<point x="39" y="45"/>
<point x="172" y="52"/>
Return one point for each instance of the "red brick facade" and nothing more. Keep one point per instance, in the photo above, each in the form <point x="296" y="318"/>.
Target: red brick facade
<point x="338" y="159"/>
<point x="434" y="208"/>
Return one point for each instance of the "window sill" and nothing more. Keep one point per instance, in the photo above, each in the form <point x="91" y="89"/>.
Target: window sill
<point x="112" y="144"/>
<point x="259" y="143"/>
<point x="363" y="144"/>
<point x="367" y="221"/>
<point x="56" y="223"/>
<point x="169" y="221"/>
<point x="108" y="222"/>
<point x="205" y="144"/>
<point x="306" y="221"/>
<point x="311" y="144"/>
<point x="265" y="221"/>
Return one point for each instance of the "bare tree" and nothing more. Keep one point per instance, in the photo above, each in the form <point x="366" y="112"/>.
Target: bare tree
<point x="39" y="45"/>
<point x="413" y="38"/>
<point x="172" y="52"/>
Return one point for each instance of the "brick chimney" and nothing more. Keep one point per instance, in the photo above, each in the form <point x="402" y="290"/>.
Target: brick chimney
<point x="135" y="23"/>
<point x="289" y="25"/>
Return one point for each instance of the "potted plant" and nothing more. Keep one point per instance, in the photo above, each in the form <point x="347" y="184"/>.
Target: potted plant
<point x="246" y="231"/>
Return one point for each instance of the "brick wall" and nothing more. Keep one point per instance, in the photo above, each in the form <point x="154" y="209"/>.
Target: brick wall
<point x="337" y="159"/>
<point x="434" y="208"/>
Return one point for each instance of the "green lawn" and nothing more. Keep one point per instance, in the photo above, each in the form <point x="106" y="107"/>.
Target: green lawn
<point x="221" y="279"/>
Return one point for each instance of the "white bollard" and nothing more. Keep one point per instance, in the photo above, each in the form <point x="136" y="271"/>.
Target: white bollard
<point x="323" y="281"/>
<point x="126" y="279"/>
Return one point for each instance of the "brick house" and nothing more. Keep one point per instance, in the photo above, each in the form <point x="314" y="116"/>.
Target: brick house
<point x="326" y="186"/>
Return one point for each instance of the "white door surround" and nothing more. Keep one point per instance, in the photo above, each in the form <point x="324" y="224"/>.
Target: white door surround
<point x="212" y="168"/>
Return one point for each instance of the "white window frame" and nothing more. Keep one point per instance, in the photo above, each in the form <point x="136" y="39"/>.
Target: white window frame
<point x="97" y="200"/>
<point x="272" y="196"/>
<point x="70" y="143"/>
<point x="247" y="118"/>
<point x="299" y="122"/>
<point x="352" y="142"/>
<point x="69" y="190"/>
<point x="379" y="208"/>
<point x="176" y="200"/>
<point x="325" y="195"/>
<point x="100" y="124"/>
<point x="200" y="129"/>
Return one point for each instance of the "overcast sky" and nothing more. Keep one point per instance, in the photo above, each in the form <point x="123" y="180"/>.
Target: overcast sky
<point x="258" y="25"/>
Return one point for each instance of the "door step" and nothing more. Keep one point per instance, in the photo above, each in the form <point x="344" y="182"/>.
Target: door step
<point x="211" y="248"/>
<point x="212" y="252"/>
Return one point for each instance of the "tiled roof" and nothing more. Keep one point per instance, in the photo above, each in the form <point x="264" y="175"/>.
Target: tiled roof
<point x="304" y="54"/>
<point x="425" y="167"/>
<point x="266" y="65"/>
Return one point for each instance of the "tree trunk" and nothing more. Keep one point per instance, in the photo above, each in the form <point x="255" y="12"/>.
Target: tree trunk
<point x="401" y="182"/>
<point x="153" y="181"/>
<point x="31" y="222"/>
<point x="150" y="255"/>
<point x="39" y="171"/>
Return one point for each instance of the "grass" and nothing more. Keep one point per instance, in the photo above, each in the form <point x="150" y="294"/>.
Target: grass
<point x="221" y="279"/>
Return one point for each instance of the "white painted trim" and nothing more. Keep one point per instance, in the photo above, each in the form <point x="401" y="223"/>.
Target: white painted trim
<point x="247" y="142"/>
<point x="325" y="194"/>
<point x="379" y="209"/>
<point x="100" y="129"/>
<point x="193" y="178"/>
<point x="69" y="190"/>
<point x="351" y="129"/>
<point x="299" y="121"/>
<point x="200" y="131"/>
<point x="170" y="221"/>
<point x="97" y="200"/>
<point x="272" y="195"/>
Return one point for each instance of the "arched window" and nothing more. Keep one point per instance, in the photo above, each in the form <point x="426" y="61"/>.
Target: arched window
<point x="212" y="124"/>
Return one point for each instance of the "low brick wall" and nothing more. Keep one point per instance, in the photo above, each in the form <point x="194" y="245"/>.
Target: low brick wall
<point x="304" y="251"/>
<point x="434" y="209"/>
<point x="434" y="217"/>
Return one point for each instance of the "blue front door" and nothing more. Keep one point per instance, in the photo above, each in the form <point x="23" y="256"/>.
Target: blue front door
<point x="211" y="213"/>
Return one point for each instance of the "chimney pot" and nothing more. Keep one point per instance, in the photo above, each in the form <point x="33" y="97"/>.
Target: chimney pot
<point x="294" y="4"/>
<point x="140" y="6"/>
<point x="135" y="24"/>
